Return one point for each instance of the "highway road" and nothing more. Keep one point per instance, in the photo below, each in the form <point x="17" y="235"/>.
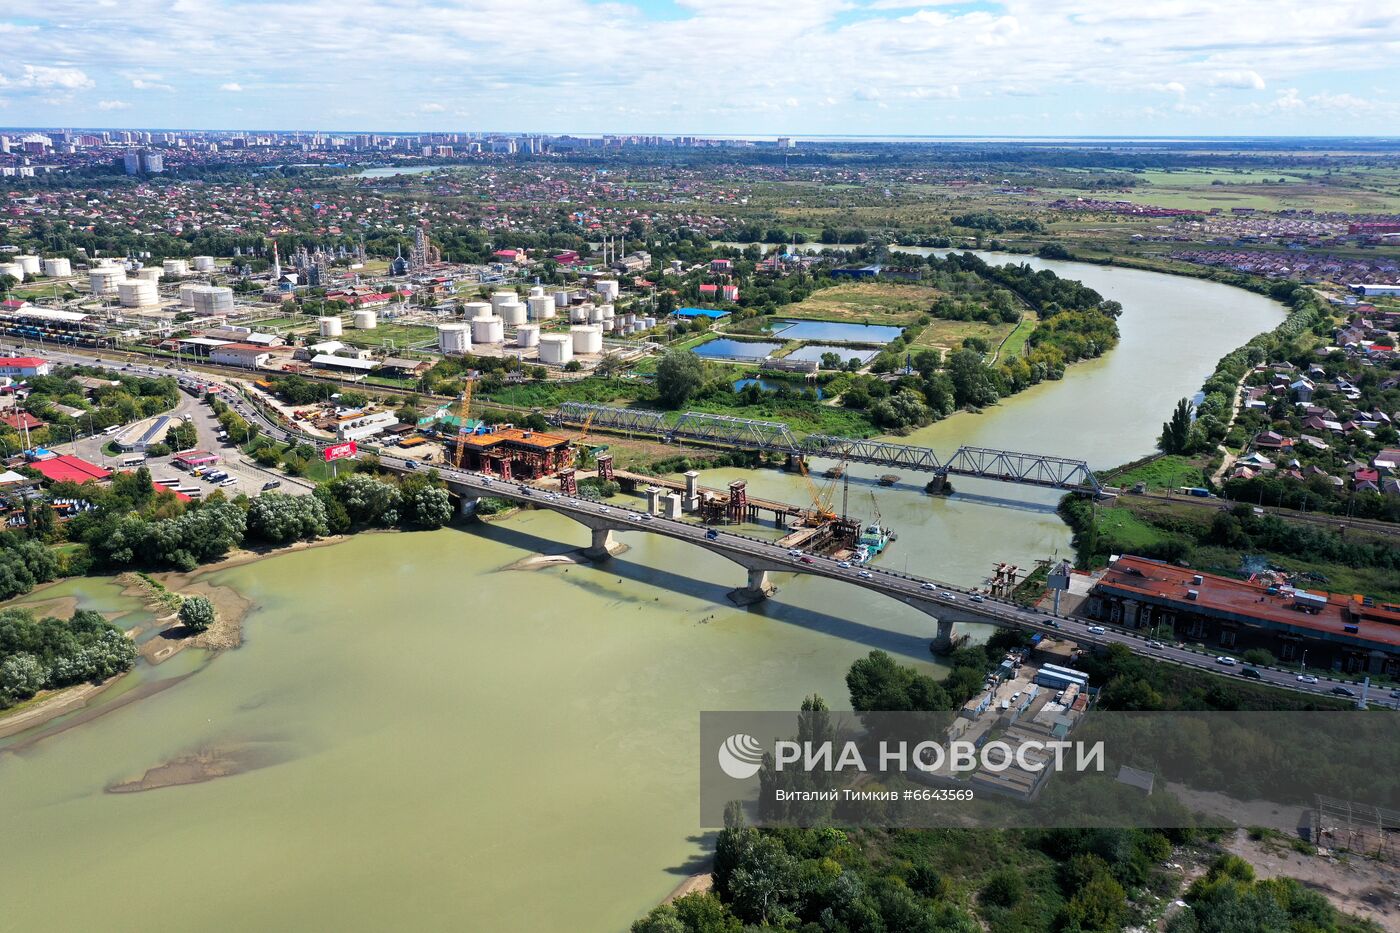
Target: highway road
<point x="930" y="596"/>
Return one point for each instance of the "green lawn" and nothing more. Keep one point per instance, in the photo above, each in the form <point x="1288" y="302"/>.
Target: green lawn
<point x="1167" y="472"/>
<point x="865" y="303"/>
<point x="949" y="335"/>
<point x="1015" y="343"/>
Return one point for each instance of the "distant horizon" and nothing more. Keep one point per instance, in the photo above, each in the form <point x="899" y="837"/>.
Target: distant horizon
<point x="677" y="134"/>
<point x="819" y="68"/>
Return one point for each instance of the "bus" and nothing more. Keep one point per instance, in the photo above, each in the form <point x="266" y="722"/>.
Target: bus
<point x="134" y="461"/>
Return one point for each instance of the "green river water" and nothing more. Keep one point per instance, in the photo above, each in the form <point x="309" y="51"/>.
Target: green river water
<point x="434" y="742"/>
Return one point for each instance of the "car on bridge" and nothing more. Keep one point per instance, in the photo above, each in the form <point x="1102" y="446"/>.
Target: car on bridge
<point x="1225" y="660"/>
<point x="1097" y="630"/>
<point x="1155" y="644"/>
<point x="1306" y="679"/>
<point x="865" y="575"/>
<point x="1343" y="691"/>
<point x="1251" y="673"/>
<point x="927" y="586"/>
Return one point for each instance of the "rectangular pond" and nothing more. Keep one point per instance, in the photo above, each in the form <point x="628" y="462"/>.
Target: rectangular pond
<point x="725" y="348"/>
<point x="814" y="351"/>
<point x="876" y="335"/>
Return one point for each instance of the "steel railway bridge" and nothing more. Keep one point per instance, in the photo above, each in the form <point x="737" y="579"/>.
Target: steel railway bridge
<point x="776" y="437"/>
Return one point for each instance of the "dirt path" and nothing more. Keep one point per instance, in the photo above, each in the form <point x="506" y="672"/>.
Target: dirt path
<point x="1356" y="885"/>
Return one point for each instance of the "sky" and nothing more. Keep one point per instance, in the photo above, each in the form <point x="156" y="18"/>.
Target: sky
<point x="723" y="67"/>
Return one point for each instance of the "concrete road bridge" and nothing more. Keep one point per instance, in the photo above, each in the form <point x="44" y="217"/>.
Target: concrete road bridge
<point x="1006" y="466"/>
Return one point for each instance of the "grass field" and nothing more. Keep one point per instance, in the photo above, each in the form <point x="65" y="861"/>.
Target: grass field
<point x="1169" y="472"/>
<point x="402" y="335"/>
<point x="949" y="335"/>
<point x="866" y="303"/>
<point x="1201" y="189"/>
<point x="1015" y="344"/>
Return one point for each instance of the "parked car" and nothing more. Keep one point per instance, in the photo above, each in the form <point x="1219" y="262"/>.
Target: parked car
<point x="271" y="484"/>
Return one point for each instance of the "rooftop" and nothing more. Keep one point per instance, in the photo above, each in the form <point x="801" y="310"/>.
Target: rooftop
<point x="69" y="469"/>
<point x="516" y="436"/>
<point x="1249" y="600"/>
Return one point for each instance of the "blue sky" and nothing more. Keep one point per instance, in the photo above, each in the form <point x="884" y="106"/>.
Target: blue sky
<point x="746" y="67"/>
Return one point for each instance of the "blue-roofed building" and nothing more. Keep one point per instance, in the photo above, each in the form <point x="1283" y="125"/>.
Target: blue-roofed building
<point x="701" y="312"/>
<point x="856" y="272"/>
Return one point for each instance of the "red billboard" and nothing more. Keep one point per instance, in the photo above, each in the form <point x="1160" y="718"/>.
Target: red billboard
<point x="340" y="451"/>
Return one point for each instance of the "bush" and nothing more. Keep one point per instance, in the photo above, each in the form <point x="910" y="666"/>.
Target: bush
<point x="197" y="613"/>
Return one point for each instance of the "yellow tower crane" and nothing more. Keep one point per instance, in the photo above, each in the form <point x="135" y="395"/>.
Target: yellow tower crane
<point x="464" y="411"/>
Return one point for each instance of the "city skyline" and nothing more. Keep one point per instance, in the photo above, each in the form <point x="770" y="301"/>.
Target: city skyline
<point x="706" y="67"/>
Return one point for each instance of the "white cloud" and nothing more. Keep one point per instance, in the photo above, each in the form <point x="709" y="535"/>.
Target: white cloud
<point x="431" y="108"/>
<point x="46" y="77"/>
<point x="113" y="105"/>
<point x="150" y="83"/>
<point x="233" y="86"/>
<point x="1244" y="79"/>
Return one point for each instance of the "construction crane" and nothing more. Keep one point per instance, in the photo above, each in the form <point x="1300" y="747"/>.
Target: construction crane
<point x="820" y="498"/>
<point x="464" y="411"/>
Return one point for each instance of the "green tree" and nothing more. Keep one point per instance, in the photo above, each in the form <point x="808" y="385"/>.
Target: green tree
<point x="679" y="376"/>
<point x="1176" y="432"/>
<point x="196" y="613"/>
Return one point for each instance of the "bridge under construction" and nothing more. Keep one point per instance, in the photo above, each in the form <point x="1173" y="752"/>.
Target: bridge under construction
<point x="776" y="437"/>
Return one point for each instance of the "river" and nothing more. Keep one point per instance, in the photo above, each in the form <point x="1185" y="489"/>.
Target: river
<point x="439" y="742"/>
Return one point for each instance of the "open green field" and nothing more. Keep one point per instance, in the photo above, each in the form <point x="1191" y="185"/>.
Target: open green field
<point x="402" y="335"/>
<point x="1168" y="472"/>
<point x="1015" y="344"/>
<point x="1355" y="191"/>
<point x="866" y="303"/>
<point x="949" y="335"/>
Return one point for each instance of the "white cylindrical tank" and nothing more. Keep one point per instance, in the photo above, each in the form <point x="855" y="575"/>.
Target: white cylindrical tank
<point x="455" y="338"/>
<point x="105" y="262"/>
<point x="329" y="326"/>
<point x="512" y="313"/>
<point x="104" y="281"/>
<point x="588" y="338"/>
<point x="608" y="313"/>
<point x="607" y="288"/>
<point x="204" y="263"/>
<point x="502" y="298"/>
<point x="476" y="309"/>
<point x="30" y="264"/>
<point x="527" y="335"/>
<point x="488" y="330"/>
<point x="12" y="268"/>
<point x="556" y="349"/>
<point x="207" y="299"/>
<point x="581" y="314"/>
<point x="150" y="274"/>
<point x="648" y="322"/>
<point x="537" y="291"/>
<point x="562" y="299"/>
<point x="174" y="267"/>
<point x="365" y="320"/>
<point x="58" y="268"/>
<point x="138" y="293"/>
<point x="541" y="307"/>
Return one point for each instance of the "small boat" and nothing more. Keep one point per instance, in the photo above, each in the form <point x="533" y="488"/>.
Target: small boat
<point x="834" y="472"/>
<point x="889" y="479"/>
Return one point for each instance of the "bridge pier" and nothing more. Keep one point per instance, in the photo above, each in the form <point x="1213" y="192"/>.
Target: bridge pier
<point x="604" y="545"/>
<point x="466" y="506"/>
<point x="944" y="642"/>
<point x="758" y="589"/>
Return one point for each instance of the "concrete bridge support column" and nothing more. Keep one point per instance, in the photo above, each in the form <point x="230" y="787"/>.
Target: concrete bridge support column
<point x="795" y="463"/>
<point x="691" y="502"/>
<point x="466" y="506"/>
<point x="671" y="506"/>
<point x="604" y="544"/>
<point x="945" y="641"/>
<point x="653" y="494"/>
<point x="759" y="589"/>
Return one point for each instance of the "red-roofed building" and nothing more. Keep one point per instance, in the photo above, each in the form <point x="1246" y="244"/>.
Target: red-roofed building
<point x="1352" y="634"/>
<point x="20" y="366"/>
<point x="68" y="469"/>
<point x="21" y="421"/>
